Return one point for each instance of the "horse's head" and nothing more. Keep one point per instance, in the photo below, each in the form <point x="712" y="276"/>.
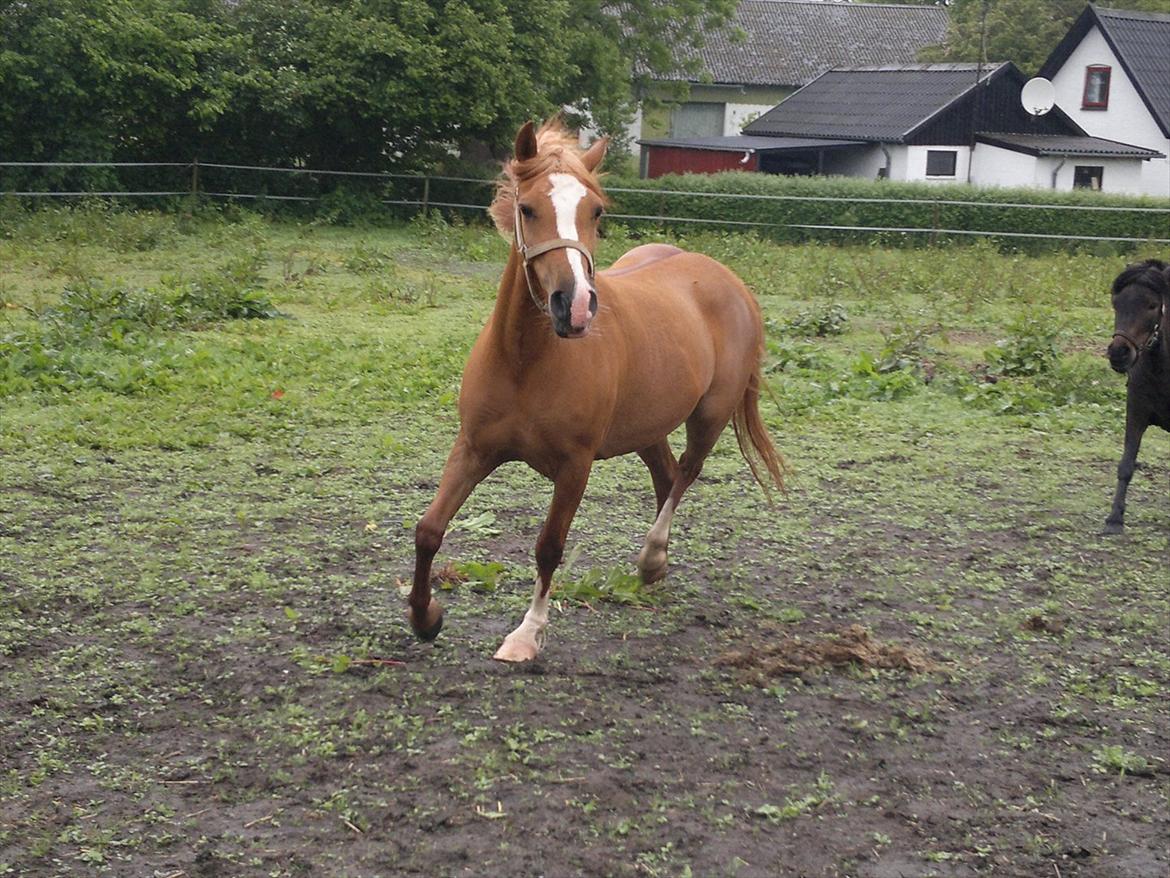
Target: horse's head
<point x="1140" y="295"/>
<point x="551" y="202"/>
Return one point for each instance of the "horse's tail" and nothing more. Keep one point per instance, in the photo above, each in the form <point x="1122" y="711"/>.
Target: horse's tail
<point x="754" y="442"/>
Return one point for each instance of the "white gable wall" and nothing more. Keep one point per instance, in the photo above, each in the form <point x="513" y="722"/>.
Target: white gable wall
<point x="1126" y="119"/>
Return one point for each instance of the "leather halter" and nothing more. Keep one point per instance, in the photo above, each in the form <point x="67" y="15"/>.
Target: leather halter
<point x="528" y="253"/>
<point x="1155" y="334"/>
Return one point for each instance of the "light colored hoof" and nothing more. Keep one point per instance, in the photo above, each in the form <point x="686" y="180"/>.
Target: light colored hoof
<point x="516" y="649"/>
<point x="652" y="564"/>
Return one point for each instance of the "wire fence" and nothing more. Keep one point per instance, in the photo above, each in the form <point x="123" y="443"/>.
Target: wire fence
<point x="426" y="192"/>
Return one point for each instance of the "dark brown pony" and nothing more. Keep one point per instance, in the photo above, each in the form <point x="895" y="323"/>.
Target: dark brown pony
<point x="1141" y="350"/>
<point x="574" y="367"/>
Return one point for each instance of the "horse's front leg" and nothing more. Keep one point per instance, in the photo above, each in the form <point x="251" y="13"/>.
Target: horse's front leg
<point x="1135" y="428"/>
<point x="464" y="470"/>
<point x="525" y="642"/>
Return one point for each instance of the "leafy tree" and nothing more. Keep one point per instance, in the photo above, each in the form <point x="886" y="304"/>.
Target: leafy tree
<point x="104" y="79"/>
<point x="362" y="84"/>
<point x="1023" y="31"/>
<point x="619" y="48"/>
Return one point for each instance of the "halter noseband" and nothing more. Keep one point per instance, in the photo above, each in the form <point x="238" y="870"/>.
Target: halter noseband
<point x="528" y="253"/>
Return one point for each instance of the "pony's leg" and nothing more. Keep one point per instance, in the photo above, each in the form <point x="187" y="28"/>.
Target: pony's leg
<point x="659" y="459"/>
<point x="463" y="471"/>
<point x="702" y="432"/>
<point x="1135" y="428"/>
<point x="525" y="642"/>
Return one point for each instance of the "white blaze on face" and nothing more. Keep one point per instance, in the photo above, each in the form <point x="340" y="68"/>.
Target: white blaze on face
<point x="566" y="193"/>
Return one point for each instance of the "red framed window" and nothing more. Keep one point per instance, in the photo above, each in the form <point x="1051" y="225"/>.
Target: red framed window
<point x="1096" y="96"/>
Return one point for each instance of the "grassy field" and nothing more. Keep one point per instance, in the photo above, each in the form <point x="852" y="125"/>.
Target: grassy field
<point x="217" y="433"/>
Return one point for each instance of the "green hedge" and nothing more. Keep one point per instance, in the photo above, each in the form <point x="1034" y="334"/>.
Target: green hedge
<point x="918" y="205"/>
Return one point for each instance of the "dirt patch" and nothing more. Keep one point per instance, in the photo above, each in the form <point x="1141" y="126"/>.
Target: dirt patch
<point x="852" y="645"/>
<point x="1043" y="624"/>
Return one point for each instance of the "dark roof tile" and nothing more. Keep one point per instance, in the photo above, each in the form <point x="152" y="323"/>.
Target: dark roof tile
<point x="1142" y="43"/>
<point x="870" y="103"/>
<point x="1070" y="145"/>
<point x="1142" y="39"/>
<point x="791" y="42"/>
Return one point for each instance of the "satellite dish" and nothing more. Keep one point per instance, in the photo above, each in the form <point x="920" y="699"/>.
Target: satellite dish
<point x="1038" y="96"/>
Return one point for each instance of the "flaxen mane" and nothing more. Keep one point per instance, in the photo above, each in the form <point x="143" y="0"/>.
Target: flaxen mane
<point x="557" y="151"/>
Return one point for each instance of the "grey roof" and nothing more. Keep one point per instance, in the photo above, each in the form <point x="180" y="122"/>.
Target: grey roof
<point x="1141" y="41"/>
<point x="1069" y="145"/>
<point x="740" y="142"/>
<point x="791" y="42"/>
<point x="871" y="103"/>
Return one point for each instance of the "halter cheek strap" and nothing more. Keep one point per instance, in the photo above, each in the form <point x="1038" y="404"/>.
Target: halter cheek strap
<point x="528" y="253"/>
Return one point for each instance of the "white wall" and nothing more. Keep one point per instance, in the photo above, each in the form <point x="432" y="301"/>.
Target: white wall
<point x="996" y="166"/>
<point x="912" y="164"/>
<point x="1126" y="119"/>
<point x="1118" y="175"/>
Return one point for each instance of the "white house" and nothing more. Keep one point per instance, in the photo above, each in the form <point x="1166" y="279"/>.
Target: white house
<point x="936" y="123"/>
<point x="1111" y="73"/>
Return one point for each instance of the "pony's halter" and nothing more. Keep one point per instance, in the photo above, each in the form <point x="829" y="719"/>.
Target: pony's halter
<point x="528" y="253"/>
<point x="1155" y="333"/>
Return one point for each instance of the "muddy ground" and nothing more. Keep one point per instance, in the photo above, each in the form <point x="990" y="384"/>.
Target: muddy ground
<point x="257" y="730"/>
<point x="205" y="671"/>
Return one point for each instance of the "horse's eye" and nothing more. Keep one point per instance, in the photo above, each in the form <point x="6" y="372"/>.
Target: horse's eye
<point x="597" y="213"/>
<point x="528" y="212"/>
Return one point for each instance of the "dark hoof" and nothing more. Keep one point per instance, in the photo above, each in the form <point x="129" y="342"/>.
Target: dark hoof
<point x="430" y="626"/>
<point x="1112" y="528"/>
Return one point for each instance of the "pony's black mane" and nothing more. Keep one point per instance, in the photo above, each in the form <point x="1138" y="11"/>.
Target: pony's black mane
<point x="1150" y="274"/>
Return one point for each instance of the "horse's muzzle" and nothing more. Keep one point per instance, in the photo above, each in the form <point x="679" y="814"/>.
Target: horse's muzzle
<point x="569" y="321"/>
<point x="1121" y="355"/>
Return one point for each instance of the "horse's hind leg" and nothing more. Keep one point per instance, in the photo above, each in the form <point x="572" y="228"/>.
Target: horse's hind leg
<point x="703" y="430"/>
<point x="659" y="459"/>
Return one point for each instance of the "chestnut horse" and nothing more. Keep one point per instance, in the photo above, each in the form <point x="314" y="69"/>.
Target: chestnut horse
<point x="574" y="367"/>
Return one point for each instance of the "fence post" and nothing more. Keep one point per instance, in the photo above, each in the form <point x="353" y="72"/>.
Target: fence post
<point x="195" y="178"/>
<point x="426" y="194"/>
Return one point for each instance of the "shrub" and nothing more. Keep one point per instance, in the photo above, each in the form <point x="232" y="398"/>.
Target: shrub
<point x="1030" y="349"/>
<point x="802" y="201"/>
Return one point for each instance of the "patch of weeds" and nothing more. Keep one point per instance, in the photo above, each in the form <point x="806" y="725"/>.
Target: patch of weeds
<point x="819" y="322"/>
<point x="820" y="795"/>
<point x="788" y="356"/>
<point x="363" y="258"/>
<point x="482" y="525"/>
<point x="611" y="584"/>
<point x="907" y="349"/>
<point x="1115" y="759"/>
<point x="479" y="576"/>
<point x="1029" y="349"/>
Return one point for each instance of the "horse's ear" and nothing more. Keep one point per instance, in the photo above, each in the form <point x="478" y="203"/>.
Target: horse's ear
<point x="593" y="156"/>
<point x="526" y="143"/>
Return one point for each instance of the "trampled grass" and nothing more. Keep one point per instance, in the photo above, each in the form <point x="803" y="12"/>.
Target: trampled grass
<point x="217" y="433"/>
